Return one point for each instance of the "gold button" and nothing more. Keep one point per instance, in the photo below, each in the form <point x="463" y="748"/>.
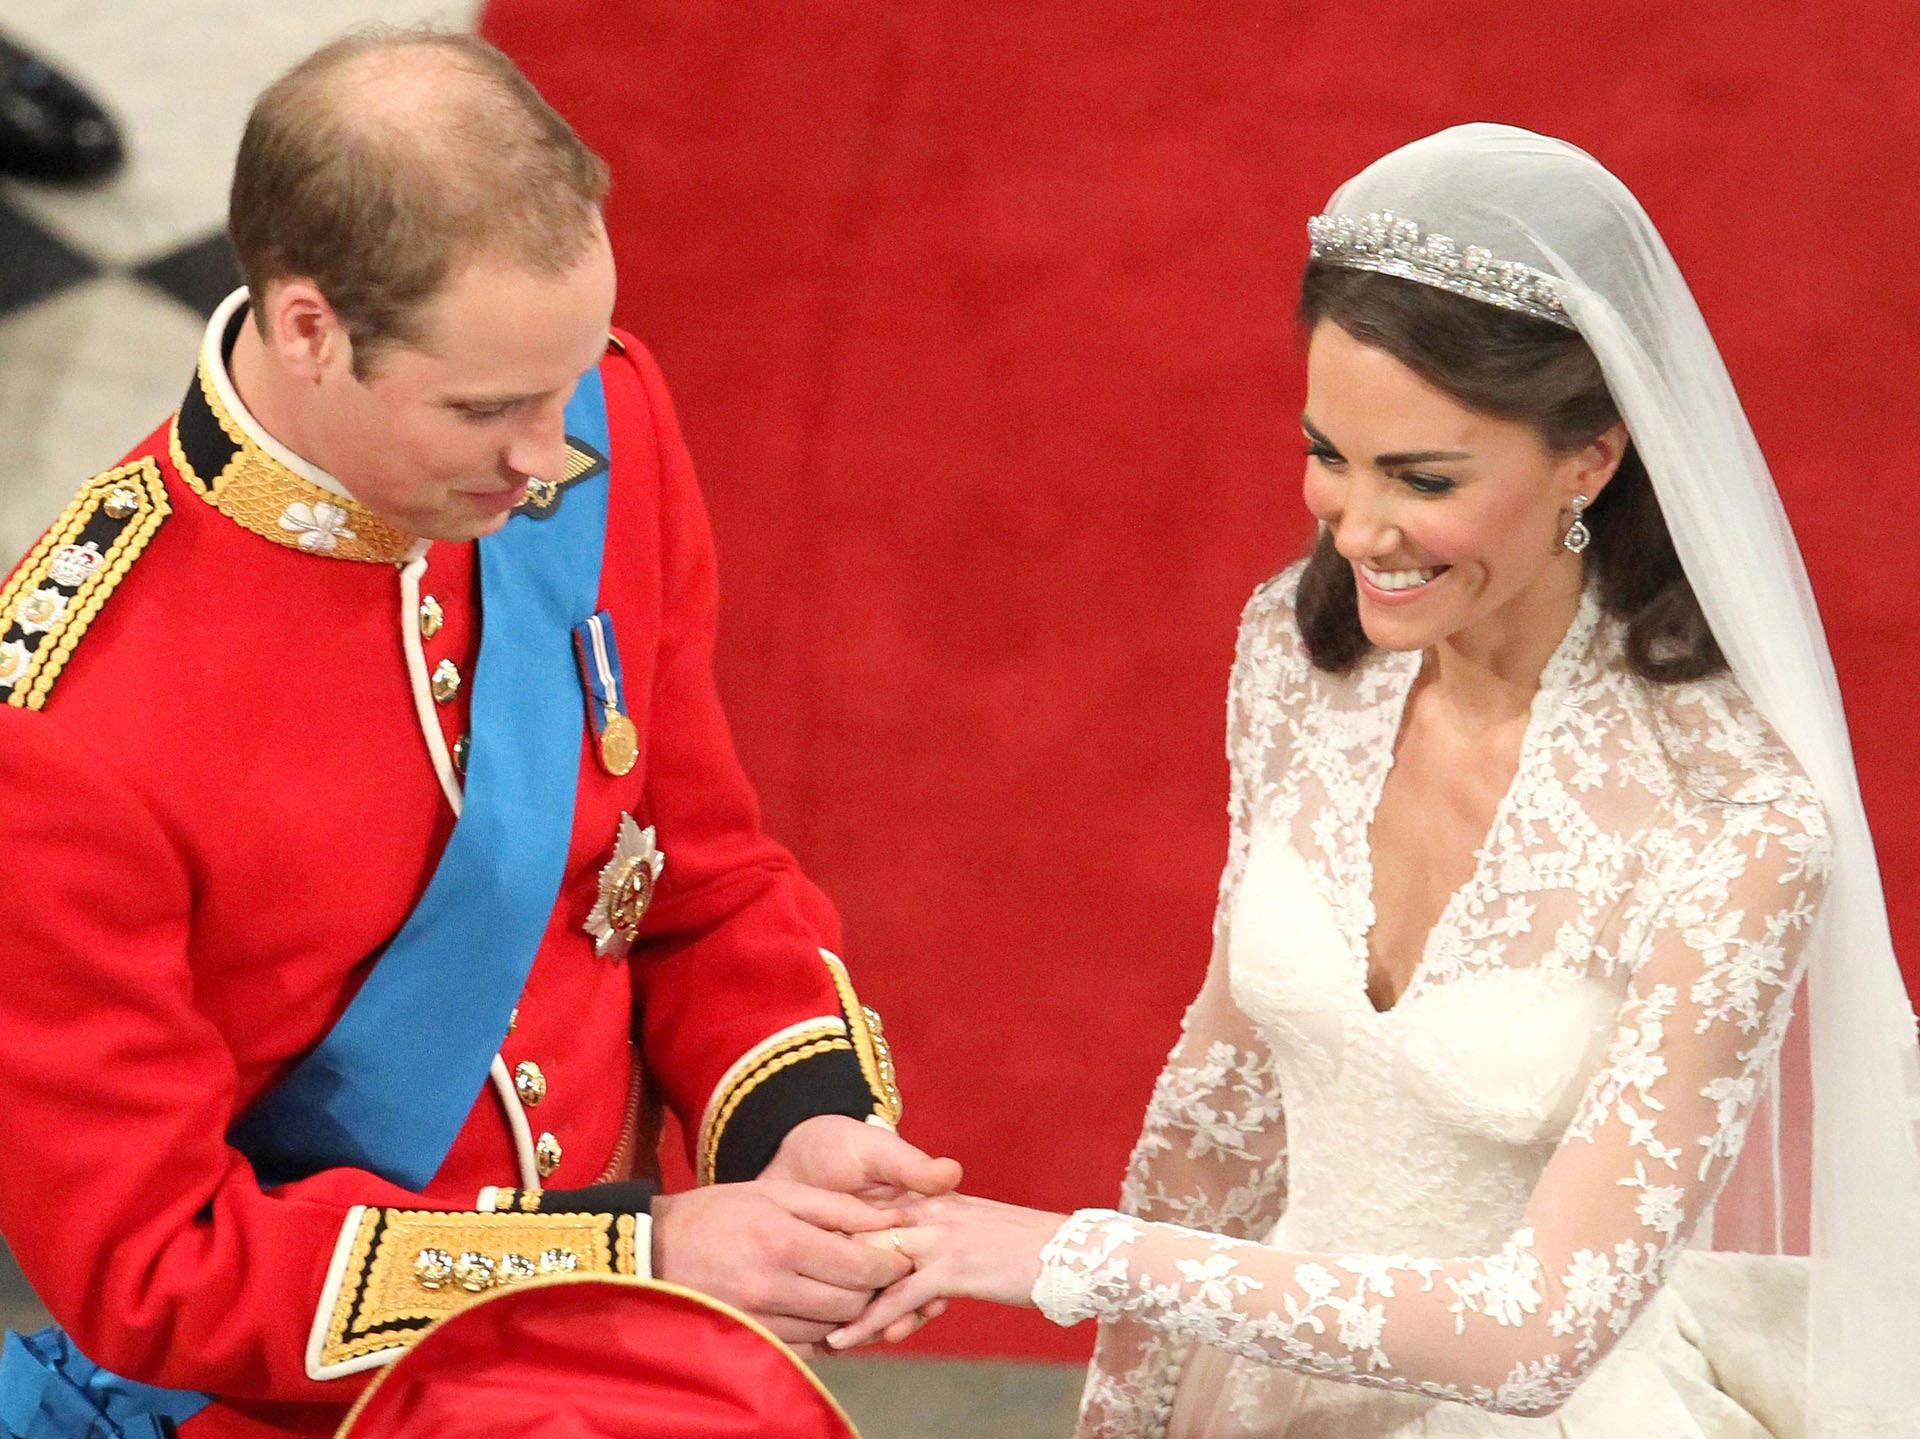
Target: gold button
<point x="431" y="616"/>
<point x="529" y="1081"/>
<point x="432" y="1268"/>
<point x="473" y="1272"/>
<point x="559" y="1261"/>
<point x="513" y="1268"/>
<point x="122" y="502"/>
<point x="461" y="747"/>
<point x="446" y="680"/>
<point x="546" y="1155"/>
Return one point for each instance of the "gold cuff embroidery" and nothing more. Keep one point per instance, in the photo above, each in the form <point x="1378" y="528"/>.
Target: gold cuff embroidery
<point x="755" y="1069"/>
<point x="407" y="1268"/>
<point x="869" y="1042"/>
<point x="63" y="582"/>
<point x="857" y="1030"/>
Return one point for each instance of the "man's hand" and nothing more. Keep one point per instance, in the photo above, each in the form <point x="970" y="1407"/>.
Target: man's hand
<point x="777" y="1250"/>
<point x="868" y="1161"/>
<point x="833" y="1151"/>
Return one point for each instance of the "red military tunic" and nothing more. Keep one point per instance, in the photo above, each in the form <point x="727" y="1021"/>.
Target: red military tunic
<point x="232" y="701"/>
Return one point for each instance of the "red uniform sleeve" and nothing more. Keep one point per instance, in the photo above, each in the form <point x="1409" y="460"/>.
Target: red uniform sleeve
<point x="746" y="1025"/>
<point x="139" y="1228"/>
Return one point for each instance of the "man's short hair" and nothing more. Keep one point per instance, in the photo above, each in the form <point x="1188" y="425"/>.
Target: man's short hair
<point x="390" y="157"/>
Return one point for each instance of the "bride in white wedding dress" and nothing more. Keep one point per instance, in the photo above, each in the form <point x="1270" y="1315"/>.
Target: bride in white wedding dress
<point x="1541" y="811"/>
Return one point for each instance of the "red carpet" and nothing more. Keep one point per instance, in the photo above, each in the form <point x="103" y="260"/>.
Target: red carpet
<point x="978" y="319"/>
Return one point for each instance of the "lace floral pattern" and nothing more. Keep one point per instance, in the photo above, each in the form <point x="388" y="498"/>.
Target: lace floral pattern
<point x="1471" y="1196"/>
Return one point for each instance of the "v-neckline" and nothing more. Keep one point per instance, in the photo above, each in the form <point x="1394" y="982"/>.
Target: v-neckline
<point x="1555" y="678"/>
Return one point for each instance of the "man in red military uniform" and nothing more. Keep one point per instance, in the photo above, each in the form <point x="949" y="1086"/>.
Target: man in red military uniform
<point x="381" y="861"/>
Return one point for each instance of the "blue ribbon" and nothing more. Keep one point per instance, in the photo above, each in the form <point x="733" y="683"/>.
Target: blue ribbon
<point x="600" y="668"/>
<point x="390" y="1085"/>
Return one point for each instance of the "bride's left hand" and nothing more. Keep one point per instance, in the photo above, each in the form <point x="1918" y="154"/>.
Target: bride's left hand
<point x="961" y="1247"/>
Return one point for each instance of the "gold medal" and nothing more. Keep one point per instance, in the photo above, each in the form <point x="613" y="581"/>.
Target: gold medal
<point x="619" y="743"/>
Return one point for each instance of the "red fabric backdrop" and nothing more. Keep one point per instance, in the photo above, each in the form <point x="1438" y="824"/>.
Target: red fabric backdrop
<point x="978" y="320"/>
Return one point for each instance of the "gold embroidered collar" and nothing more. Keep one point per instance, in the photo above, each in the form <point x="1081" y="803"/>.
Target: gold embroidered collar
<point x="228" y="469"/>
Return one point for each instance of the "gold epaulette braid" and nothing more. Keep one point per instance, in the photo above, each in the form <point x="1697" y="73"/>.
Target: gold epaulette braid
<point x="59" y="588"/>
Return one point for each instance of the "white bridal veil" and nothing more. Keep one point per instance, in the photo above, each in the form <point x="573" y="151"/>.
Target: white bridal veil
<point x="1832" y="1164"/>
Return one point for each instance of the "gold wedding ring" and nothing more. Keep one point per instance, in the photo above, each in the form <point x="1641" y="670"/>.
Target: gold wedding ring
<point x="893" y="1236"/>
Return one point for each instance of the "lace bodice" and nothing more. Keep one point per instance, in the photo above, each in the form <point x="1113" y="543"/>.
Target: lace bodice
<point x="1471" y="1195"/>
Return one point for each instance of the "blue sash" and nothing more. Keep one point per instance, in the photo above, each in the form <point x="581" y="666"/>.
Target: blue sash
<point x="50" y="1390"/>
<point x="391" y="1084"/>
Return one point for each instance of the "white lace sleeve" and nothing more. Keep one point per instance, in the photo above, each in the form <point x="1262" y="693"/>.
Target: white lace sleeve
<point x="1212" y="1149"/>
<point x="1517" y="1329"/>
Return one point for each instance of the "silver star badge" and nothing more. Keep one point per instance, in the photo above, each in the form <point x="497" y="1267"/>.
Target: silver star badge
<point x="626" y="889"/>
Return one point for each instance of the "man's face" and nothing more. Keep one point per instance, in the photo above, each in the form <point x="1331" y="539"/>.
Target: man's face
<point x="441" y="437"/>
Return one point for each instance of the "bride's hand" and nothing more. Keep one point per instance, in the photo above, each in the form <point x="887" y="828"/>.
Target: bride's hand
<point x="961" y="1247"/>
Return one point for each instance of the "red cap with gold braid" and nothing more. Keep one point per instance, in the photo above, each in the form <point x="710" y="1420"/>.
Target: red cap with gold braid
<point x="597" y="1357"/>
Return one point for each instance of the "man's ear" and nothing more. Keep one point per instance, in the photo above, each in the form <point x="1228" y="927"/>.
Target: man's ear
<point x="301" y="330"/>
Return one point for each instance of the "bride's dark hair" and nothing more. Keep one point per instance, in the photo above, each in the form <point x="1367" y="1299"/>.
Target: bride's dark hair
<point x="1513" y="367"/>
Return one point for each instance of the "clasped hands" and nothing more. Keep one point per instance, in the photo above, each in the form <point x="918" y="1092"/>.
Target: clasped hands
<point x="851" y="1234"/>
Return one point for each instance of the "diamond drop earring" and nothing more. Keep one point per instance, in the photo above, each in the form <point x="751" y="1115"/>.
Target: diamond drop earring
<point x="1578" y="536"/>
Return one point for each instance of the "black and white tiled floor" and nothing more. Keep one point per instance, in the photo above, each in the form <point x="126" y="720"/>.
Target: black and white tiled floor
<point x="103" y="294"/>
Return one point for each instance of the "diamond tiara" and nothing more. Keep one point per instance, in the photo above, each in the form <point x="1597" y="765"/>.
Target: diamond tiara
<point x="1384" y="242"/>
